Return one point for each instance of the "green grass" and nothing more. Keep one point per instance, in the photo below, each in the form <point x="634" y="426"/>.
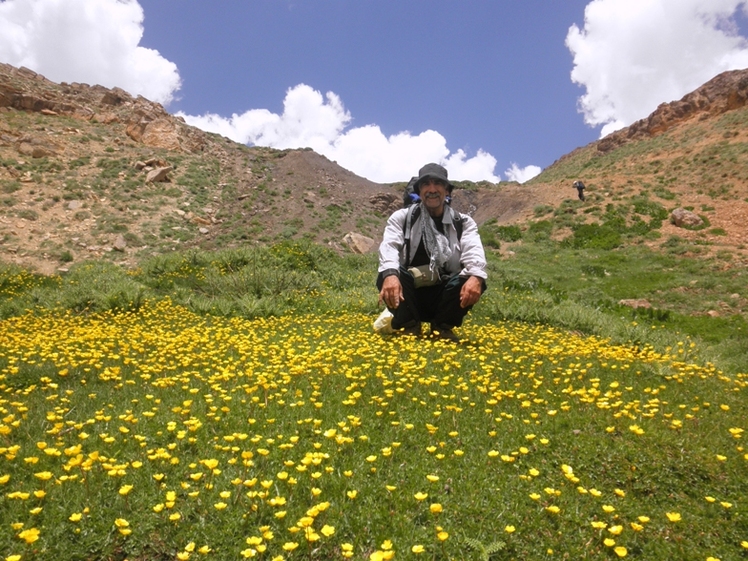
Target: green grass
<point x="245" y="392"/>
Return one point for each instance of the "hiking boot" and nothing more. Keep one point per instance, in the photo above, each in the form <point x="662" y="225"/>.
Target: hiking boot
<point x="414" y="330"/>
<point x="444" y="333"/>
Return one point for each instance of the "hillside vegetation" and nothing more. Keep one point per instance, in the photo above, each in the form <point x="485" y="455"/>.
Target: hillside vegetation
<point x="188" y="368"/>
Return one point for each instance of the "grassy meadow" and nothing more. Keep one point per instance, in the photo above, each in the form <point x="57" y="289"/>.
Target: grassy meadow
<point x="237" y="405"/>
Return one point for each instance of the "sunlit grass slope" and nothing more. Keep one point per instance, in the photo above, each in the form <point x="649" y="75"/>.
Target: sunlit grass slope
<point x="162" y="434"/>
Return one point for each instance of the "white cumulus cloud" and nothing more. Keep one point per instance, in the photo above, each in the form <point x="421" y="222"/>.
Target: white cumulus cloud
<point x="98" y="42"/>
<point x="88" y="41"/>
<point x="312" y="120"/>
<point x="520" y="175"/>
<point x="632" y="55"/>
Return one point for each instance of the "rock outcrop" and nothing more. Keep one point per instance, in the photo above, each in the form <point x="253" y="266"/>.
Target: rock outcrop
<point x="147" y="122"/>
<point x="725" y="92"/>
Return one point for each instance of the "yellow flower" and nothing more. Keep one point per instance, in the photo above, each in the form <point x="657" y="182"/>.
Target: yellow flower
<point x="327" y="530"/>
<point x="417" y="549"/>
<point x="4" y="479"/>
<point x="13" y="558"/>
<point x="435" y="508"/>
<point x="609" y="508"/>
<point x="509" y="529"/>
<point x="125" y="489"/>
<point x="621" y="551"/>
<point x="352" y="494"/>
<point x="609" y="542"/>
<point x="673" y="516"/>
<point x="553" y="509"/>
<point x="615" y="530"/>
<point x="599" y="525"/>
<point x="290" y="546"/>
<point x="420" y="496"/>
<point x="442" y="535"/>
<point x="433" y="478"/>
<point x="30" y="535"/>
<point x="44" y="475"/>
<point x="220" y="505"/>
<point x="75" y="517"/>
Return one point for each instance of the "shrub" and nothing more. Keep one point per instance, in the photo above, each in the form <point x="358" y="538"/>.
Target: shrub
<point x="595" y="236"/>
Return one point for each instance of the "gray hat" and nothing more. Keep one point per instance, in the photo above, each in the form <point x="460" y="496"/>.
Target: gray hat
<point x="432" y="171"/>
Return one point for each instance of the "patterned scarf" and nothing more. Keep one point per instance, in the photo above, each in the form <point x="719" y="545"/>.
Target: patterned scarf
<point x="436" y="243"/>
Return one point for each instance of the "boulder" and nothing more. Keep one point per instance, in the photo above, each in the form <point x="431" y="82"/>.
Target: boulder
<point x="359" y="243"/>
<point x="120" y="244"/>
<point x="158" y="174"/>
<point x="685" y="218"/>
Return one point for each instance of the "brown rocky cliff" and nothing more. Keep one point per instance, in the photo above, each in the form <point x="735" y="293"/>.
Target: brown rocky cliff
<point x="725" y="92"/>
<point x="147" y="122"/>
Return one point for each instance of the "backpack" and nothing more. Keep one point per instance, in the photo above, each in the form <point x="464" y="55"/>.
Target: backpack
<point x="409" y="195"/>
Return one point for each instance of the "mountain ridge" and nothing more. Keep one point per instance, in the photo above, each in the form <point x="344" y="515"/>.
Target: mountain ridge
<point x="75" y="161"/>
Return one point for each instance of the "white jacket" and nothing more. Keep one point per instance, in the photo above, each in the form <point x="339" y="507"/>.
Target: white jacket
<point x="468" y="257"/>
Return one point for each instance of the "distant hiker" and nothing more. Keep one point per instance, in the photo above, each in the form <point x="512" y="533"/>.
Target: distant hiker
<point x="579" y="186"/>
<point x="432" y="266"/>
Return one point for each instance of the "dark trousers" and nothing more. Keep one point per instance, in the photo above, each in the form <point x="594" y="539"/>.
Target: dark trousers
<point x="438" y="304"/>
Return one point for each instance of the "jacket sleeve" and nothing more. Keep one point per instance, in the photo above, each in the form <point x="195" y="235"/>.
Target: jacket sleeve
<point x="391" y="248"/>
<point x="473" y="257"/>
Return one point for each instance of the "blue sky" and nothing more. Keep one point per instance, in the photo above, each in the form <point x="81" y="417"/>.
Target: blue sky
<point x="493" y="89"/>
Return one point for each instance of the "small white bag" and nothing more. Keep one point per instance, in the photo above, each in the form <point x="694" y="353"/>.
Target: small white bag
<point x="383" y="324"/>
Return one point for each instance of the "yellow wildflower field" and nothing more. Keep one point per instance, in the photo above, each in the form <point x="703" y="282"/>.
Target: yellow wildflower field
<point x="164" y="434"/>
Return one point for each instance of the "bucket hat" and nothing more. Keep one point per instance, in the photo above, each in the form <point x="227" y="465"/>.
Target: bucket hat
<point x="432" y="171"/>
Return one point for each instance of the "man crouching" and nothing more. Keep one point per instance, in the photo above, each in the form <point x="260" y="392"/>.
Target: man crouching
<point x="432" y="266"/>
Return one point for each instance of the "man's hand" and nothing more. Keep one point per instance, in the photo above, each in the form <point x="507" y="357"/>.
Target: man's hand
<point x="392" y="292"/>
<point x="470" y="292"/>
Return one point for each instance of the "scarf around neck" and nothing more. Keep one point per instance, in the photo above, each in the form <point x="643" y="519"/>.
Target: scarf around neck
<point x="436" y="243"/>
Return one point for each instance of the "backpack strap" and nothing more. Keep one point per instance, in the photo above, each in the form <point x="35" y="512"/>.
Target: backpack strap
<point x="414" y="211"/>
<point x="458" y="222"/>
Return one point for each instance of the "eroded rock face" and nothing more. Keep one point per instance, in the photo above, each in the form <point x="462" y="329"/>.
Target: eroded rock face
<point x="147" y="122"/>
<point x="725" y="92"/>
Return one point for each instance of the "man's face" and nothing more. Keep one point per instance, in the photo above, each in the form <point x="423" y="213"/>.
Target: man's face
<point x="433" y="193"/>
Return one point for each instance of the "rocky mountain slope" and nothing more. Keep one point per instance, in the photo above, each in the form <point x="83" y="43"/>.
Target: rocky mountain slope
<point x="87" y="172"/>
<point x="690" y="154"/>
